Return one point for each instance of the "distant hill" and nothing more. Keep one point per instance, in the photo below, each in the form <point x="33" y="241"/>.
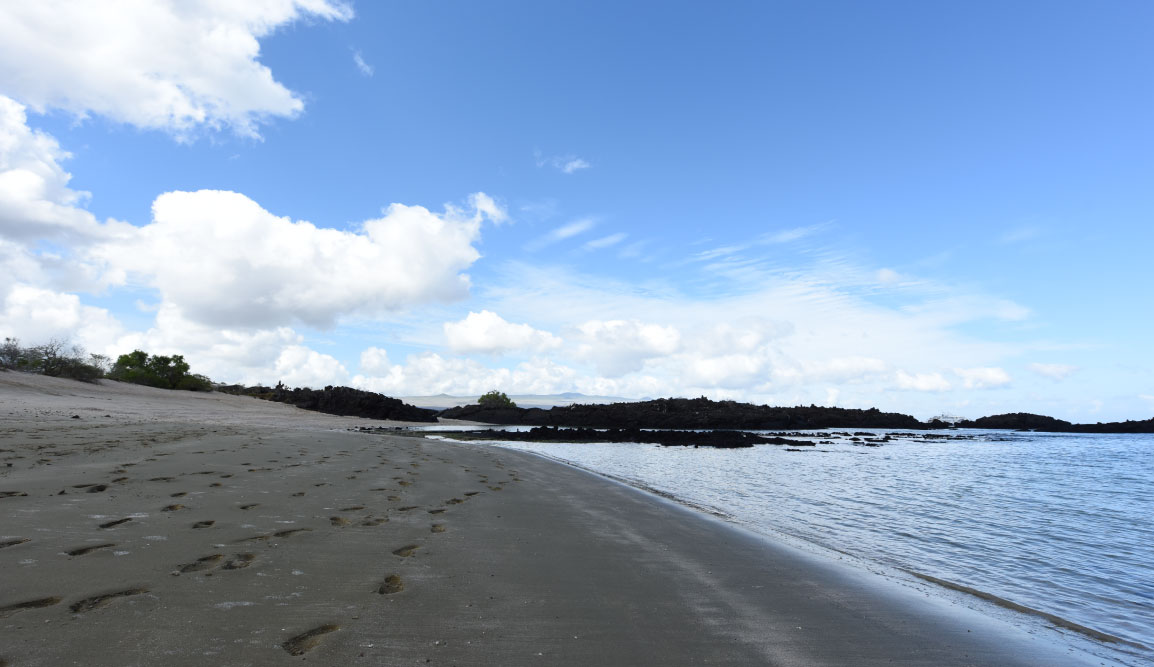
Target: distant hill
<point x="1025" y="421"/>
<point x="545" y="401"/>
<point x="687" y="413"/>
<point x="344" y="401"/>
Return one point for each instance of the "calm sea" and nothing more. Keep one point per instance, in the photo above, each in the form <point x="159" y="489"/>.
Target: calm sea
<point x="1060" y="523"/>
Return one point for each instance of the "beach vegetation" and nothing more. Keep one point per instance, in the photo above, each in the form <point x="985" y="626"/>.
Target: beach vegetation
<point x="496" y="399"/>
<point x="161" y="371"/>
<point x="56" y="358"/>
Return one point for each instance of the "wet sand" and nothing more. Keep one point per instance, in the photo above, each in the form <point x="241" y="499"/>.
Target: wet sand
<point x="144" y="527"/>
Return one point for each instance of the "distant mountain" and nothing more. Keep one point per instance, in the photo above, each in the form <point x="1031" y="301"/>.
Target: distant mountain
<point x="544" y="401"/>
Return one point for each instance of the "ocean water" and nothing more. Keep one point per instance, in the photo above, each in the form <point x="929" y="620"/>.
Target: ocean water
<point x="1060" y="523"/>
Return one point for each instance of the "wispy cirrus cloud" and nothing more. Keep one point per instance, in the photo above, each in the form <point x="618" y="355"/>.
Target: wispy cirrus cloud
<point x="362" y="66"/>
<point x="1056" y="372"/>
<point x="606" y="241"/>
<point x="566" y="164"/>
<point x="561" y="233"/>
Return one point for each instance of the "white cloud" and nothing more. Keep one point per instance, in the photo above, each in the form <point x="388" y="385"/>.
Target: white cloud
<point x="488" y="333"/>
<point x="983" y="378"/>
<point x="431" y="373"/>
<point x="172" y="65"/>
<point x="1057" y="372"/>
<point x="223" y="260"/>
<point x="888" y="277"/>
<point x="568" y="164"/>
<point x="734" y="371"/>
<point x="298" y="366"/>
<point x="247" y="356"/>
<point x="618" y="347"/>
<point x="364" y="68"/>
<point x="566" y="231"/>
<point x="35" y="315"/>
<point x="606" y="241"/>
<point x="35" y="200"/>
<point x="922" y="381"/>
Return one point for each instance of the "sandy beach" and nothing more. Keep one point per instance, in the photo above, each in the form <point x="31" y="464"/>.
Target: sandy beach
<point x="146" y="527"/>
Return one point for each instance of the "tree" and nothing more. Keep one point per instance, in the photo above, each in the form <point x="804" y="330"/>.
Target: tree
<point x="496" y="399"/>
<point x="55" y="358"/>
<point x="10" y="353"/>
<point x="160" y="371"/>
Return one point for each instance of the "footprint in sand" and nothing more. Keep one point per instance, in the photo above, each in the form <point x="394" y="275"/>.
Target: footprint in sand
<point x="307" y="641"/>
<point x="338" y="521"/>
<point x="117" y="522"/>
<point x="172" y="508"/>
<point x="391" y="584"/>
<point x="11" y="543"/>
<point x="374" y="521"/>
<point x="239" y="562"/>
<point x="80" y="551"/>
<point x="203" y="524"/>
<point x="12" y="494"/>
<point x="28" y="604"/>
<point x="249" y="506"/>
<point x="406" y="551"/>
<point x="97" y="601"/>
<point x="437" y="528"/>
<point x="203" y="563"/>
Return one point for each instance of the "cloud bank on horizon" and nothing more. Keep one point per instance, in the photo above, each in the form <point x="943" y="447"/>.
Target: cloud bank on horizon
<point x="249" y="175"/>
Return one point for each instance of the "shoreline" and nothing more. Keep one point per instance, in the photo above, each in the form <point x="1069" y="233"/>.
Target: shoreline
<point x="232" y="534"/>
<point x="1022" y="614"/>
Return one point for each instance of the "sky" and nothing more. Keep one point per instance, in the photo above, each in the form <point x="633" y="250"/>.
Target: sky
<point x="920" y="207"/>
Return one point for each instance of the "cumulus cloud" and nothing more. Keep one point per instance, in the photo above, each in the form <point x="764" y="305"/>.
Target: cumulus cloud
<point x="298" y="366"/>
<point x="983" y="378"/>
<point x="235" y="355"/>
<point x="733" y="371"/>
<point x="1057" y="372"/>
<point x="922" y="381"/>
<point x="225" y="261"/>
<point x="431" y="373"/>
<point x="488" y="333"/>
<point x="35" y="200"/>
<point x="618" y="347"/>
<point x="168" y="65"/>
<point x="36" y="315"/>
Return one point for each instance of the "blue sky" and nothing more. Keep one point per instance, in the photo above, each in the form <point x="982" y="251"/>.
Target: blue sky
<point x="923" y="207"/>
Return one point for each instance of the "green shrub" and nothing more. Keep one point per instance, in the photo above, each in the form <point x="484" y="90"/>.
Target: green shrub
<point x="55" y="358"/>
<point x="194" y="382"/>
<point x="496" y="399"/>
<point x="159" y="371"/>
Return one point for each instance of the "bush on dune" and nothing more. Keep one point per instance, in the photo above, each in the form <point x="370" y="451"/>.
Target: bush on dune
<point x="159" y="371"/>
<point x="56" y="358"/>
